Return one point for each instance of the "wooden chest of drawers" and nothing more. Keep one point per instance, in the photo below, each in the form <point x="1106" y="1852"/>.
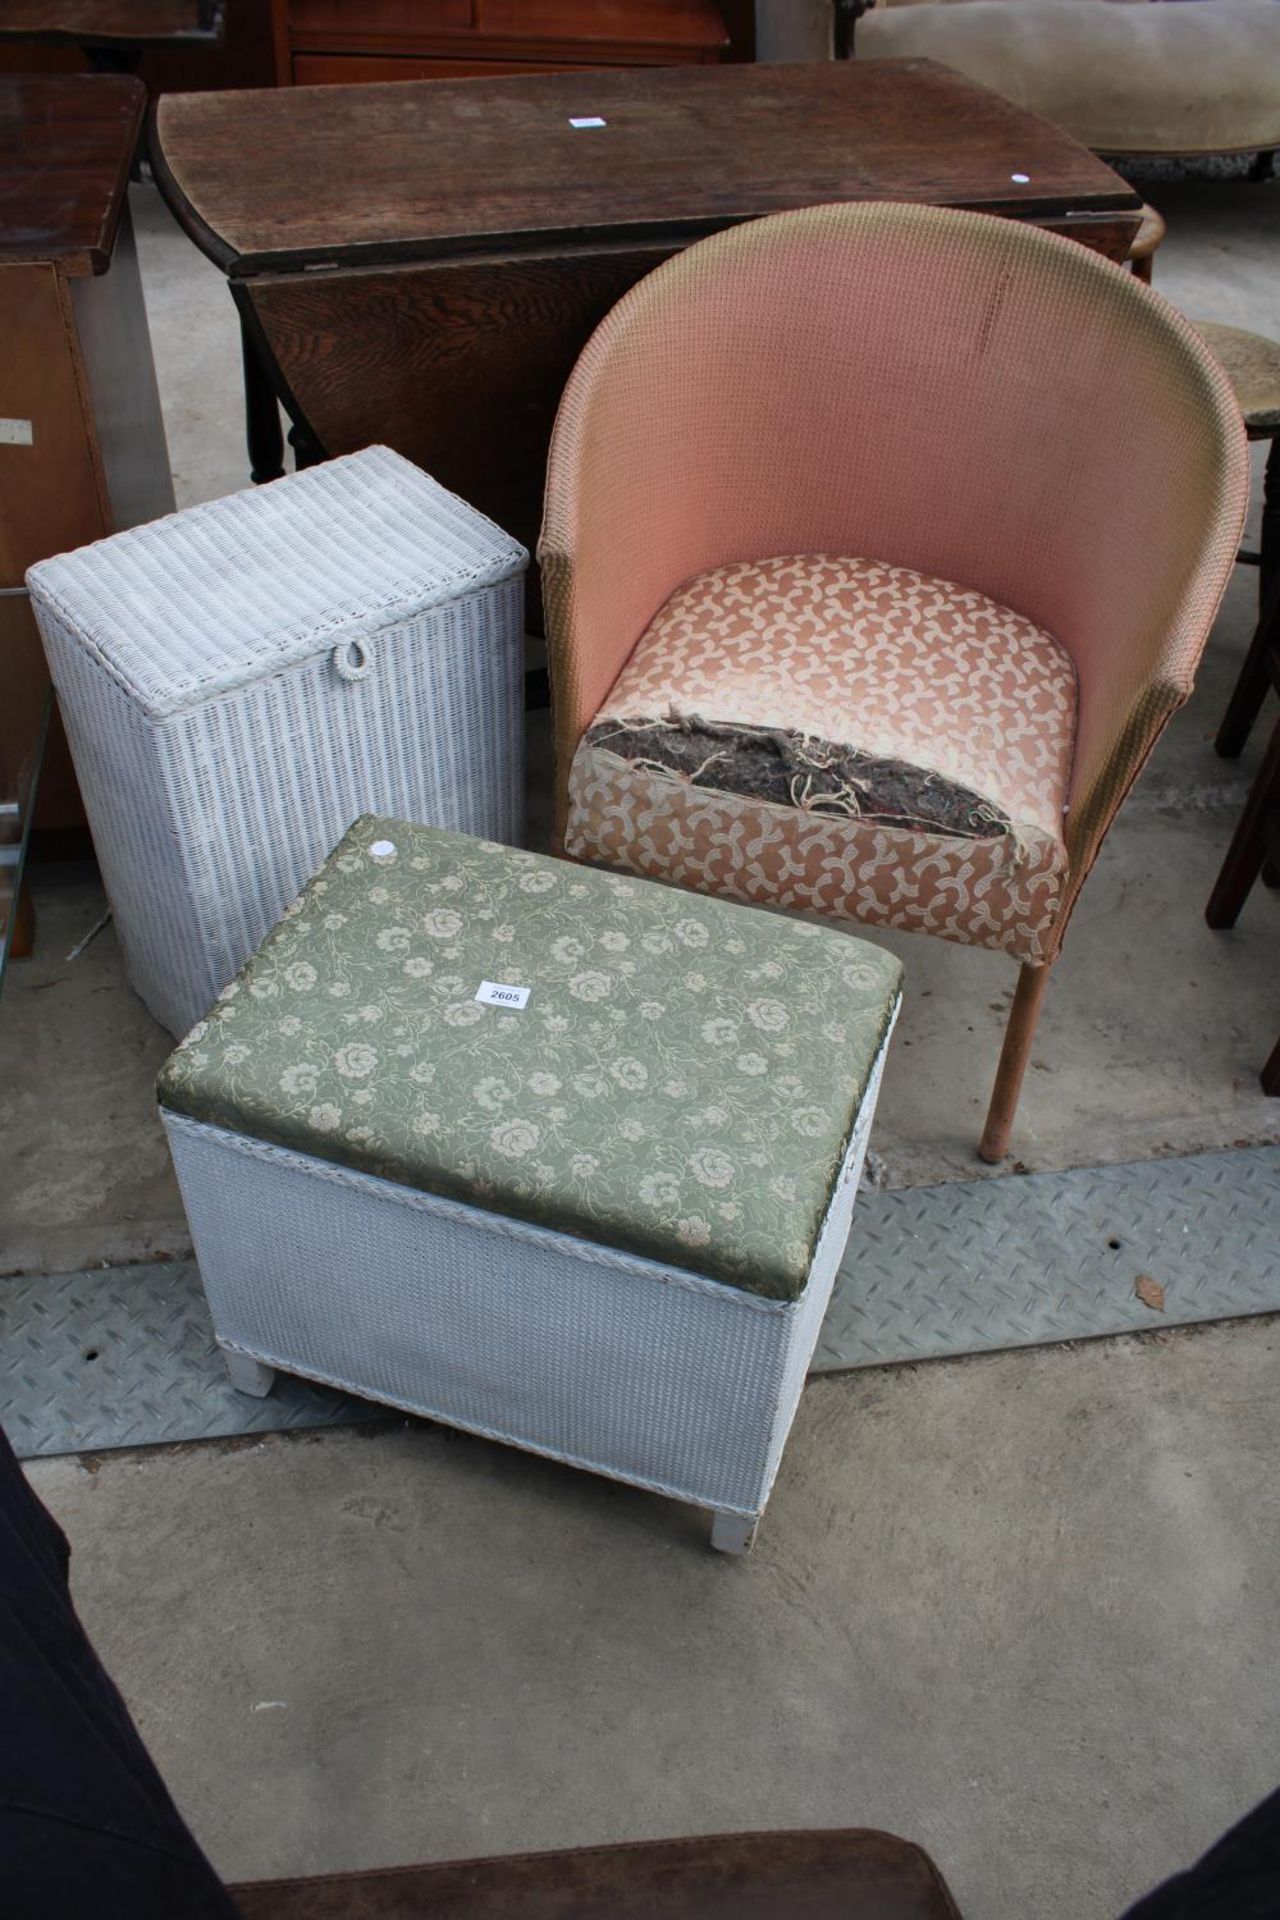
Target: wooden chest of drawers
<point x="320" y="42"/>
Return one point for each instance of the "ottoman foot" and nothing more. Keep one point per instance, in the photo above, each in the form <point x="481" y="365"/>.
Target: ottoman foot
<point x="247" y="1374"/>
<point x="730" y="1533"/>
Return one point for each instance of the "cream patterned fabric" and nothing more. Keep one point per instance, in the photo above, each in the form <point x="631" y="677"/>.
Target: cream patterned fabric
<point x="877" y="658"/>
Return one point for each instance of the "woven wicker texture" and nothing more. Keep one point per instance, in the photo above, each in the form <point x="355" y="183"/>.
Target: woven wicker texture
<point x="971" y="397"/>
<point x="241" y="681"/>
<point x="641" y="1371"/>
<point x="205" y="600"/>
<point x="683" y="1082"/>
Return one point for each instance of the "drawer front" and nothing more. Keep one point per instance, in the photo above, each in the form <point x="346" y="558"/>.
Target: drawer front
<point x="350" y="69"/>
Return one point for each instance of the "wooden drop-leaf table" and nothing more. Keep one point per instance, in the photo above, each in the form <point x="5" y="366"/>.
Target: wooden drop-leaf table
<point x="421" y="263"/>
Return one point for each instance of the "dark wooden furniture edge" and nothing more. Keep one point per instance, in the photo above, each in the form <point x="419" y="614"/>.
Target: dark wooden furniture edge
<point x="197" y="230"/>
<point x="841" y="1867"/>
<point x="615" y="237"/>
<point x="98" y="255"/>
<point x="209" y="32"/>
<point x="557" y="241"/>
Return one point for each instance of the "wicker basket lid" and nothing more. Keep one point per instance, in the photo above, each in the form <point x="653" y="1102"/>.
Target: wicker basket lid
<point x="189" y="607"/>
<point x="668" y="1075"/>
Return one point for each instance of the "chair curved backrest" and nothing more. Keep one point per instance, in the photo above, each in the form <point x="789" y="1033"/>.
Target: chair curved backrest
<point x="961" y="394"/>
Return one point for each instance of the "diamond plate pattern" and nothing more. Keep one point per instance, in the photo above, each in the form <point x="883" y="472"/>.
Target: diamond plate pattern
<point x="125" y="1357"/>
<point x="1024" y="1260"/>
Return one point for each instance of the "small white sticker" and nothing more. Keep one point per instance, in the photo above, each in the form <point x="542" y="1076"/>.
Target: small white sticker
<point x="382" y="850"/>
<point x="493" y="994"/>
<point x="1022" y="179"/>
<point x="587" y="120"/>
<point x="17" y="433"/>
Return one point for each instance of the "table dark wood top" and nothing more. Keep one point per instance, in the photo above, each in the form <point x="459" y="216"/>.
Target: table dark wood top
<point x="87" y="23"/>
<point x="66" y="144"/>
<point x="364" y="175"/>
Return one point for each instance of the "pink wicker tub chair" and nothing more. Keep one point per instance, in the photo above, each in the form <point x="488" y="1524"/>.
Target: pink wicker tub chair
<point x="880" y="544"/>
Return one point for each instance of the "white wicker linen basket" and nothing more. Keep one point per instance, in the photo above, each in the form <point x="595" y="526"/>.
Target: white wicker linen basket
<point x="603" y="1225"/>
<point x="241" y="680"/>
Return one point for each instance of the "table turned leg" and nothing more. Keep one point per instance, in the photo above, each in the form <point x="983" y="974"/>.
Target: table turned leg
<point x="307" y="450"/>
<point x="263" y="432"/>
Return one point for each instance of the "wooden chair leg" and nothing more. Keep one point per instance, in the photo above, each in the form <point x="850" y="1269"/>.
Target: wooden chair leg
<point x="1247" y="695"/>
<point x="1248" y="848"/>
<point x="1251" y="688"/>
<point x="1270" y="1075"/>
<point x="24" y="925"/>
<point x="1016" y="1051"/>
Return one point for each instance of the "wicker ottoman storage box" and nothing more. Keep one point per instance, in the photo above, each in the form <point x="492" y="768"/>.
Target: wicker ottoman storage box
<point x="558" y="1156"/>
<point x="241" y="680"/>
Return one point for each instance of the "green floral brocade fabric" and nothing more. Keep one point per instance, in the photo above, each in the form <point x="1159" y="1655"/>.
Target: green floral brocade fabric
<point x="682" y="1082"/>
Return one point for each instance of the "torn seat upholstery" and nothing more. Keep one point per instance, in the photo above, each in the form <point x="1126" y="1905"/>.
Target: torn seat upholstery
<point x="841" y="735"/>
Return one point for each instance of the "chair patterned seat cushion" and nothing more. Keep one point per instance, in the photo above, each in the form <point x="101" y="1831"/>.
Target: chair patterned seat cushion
<point x="845" y="736"/>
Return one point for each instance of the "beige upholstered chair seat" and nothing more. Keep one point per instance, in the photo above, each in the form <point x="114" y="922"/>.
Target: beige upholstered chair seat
<point x="841" y="735"/>
<point x="1172" y="79"/>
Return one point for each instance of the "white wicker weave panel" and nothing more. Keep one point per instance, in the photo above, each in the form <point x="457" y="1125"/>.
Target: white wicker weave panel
<point x="209" y="821"/>
<point x="124" y="784"/>
<point x="435" y="734"/>
<point x="525" y="1337"/>
<point x="610" y="1362"/>
<point x="187" y="607"/>
<point x="827" y="1257"/>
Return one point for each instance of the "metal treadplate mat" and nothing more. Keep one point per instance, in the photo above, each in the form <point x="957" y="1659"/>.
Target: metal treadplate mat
<point x="125" y="1356"/>
<point x="1028" y="1259"/>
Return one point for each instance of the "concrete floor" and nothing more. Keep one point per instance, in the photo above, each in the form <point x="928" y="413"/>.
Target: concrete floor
<point x="1022" y="1608"/>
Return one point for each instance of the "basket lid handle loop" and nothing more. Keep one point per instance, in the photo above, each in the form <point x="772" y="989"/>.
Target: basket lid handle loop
<point x="353" y="659"/>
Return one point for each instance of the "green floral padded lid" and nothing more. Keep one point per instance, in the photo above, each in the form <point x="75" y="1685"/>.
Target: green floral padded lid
<point x="681" y="1082"/>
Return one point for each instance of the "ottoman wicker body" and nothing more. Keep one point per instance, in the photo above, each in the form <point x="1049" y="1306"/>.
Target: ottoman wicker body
<point x="602" y="1224"/>
<point x="242" y="680"/>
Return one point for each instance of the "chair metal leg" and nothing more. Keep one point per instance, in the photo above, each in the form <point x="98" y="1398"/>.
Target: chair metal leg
<point x="248" y="1375"/>
<point x="730" y="1533"/>
<point x="1016" y="1051"/>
